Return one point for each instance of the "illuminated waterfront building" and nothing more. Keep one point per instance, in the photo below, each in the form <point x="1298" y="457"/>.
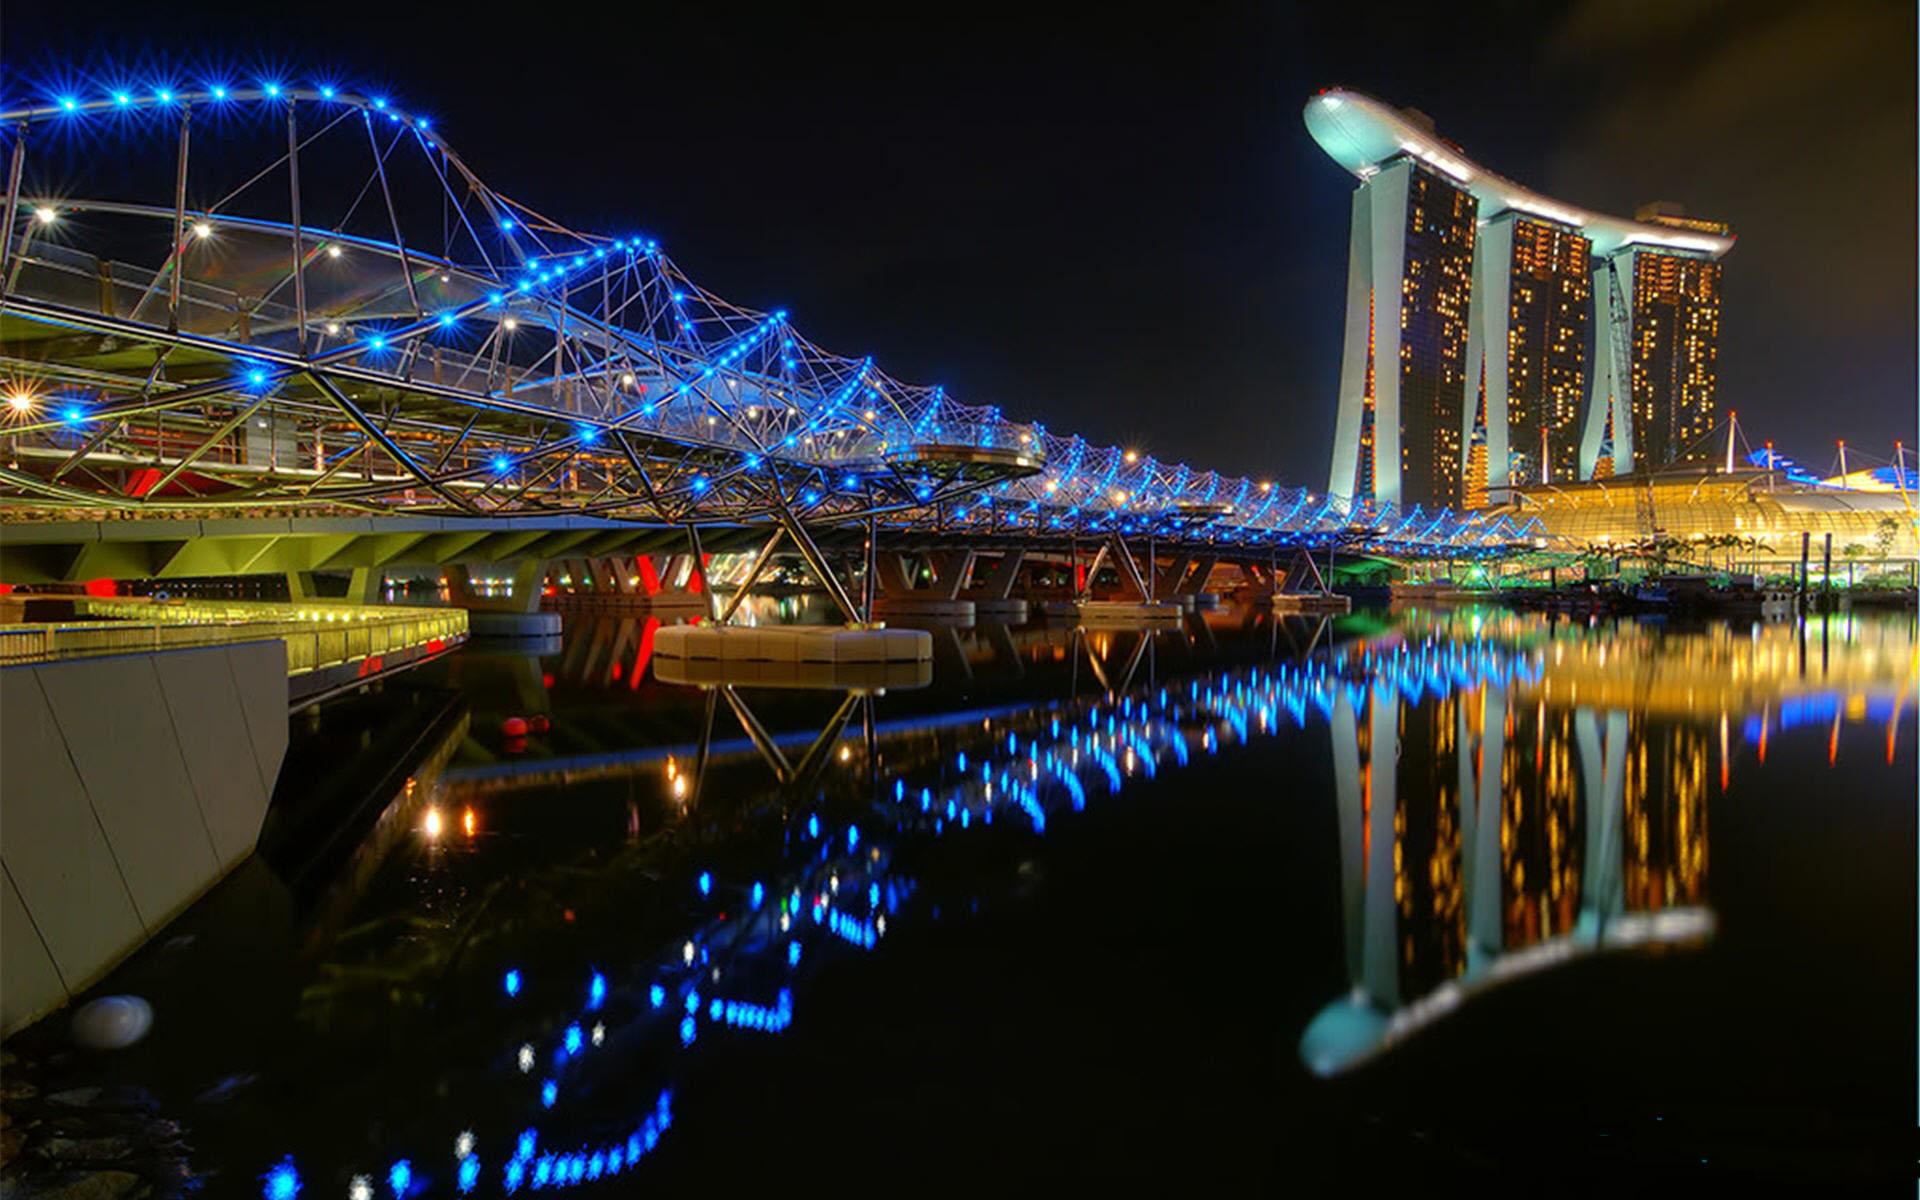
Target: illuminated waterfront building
<point x="1751" y="518"/>
<point x="1504" y="353"/>
<point x="1402" y="428"/>
<point x="1660" y="310"/>
<point x="1532" y="293"/>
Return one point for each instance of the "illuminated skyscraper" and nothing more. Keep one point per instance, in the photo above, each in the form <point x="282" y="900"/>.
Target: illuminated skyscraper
<point x="1531" y="312"/>
<point x="1403" y="370"/>
<point x="1660" y="308"/>
<point x="1501" y="291"/>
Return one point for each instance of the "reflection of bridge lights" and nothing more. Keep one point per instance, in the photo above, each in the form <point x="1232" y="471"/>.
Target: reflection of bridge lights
<point x="463" y="1145"/>
<point x="400" y="1177"/>
<point x="511" y="983"/>
<point x="524" y="1060"/>
<point x="468" y="822"/>
<point x="360" y="1188"/>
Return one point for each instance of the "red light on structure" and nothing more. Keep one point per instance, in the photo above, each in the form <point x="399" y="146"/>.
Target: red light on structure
<point x="102" y="587"/>
<point x="644" y="654"/>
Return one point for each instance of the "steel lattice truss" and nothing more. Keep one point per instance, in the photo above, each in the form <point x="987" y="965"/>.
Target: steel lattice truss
<point x="303" y="300"/>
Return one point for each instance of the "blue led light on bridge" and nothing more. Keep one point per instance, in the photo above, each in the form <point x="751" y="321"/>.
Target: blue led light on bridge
<point x="400" y="1177"/>
<point x="468" y="1176"/>
<point x="657" y="995"/>
<point x="282" y="1181"/>
<point x="549" y="1094"/>
<point x="512" y="983"/>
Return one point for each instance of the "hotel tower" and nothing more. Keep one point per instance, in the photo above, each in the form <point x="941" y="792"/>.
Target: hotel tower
<point x="1495" y="336"/>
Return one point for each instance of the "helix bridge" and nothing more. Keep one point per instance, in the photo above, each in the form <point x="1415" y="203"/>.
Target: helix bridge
<point x="234" y="299"/>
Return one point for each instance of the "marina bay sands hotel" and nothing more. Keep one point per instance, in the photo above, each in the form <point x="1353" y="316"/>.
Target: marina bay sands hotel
<point x="1473" y="304"/>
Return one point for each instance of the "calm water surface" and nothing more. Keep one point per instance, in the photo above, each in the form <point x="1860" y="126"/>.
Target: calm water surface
<point x="1411" y="897"/>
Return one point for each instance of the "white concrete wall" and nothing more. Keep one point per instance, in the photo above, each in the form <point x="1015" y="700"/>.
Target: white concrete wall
<point x="129" y="785"/>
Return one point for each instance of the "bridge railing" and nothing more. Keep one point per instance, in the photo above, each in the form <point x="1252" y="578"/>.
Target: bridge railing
<point x="317" y="635"/>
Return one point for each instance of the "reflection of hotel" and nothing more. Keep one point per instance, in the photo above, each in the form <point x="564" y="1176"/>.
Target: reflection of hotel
<point x="1509" y="822"/>
<point x="1471" y="305"/>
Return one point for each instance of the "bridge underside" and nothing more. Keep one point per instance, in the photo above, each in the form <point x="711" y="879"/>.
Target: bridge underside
<point x="76" y="551"/>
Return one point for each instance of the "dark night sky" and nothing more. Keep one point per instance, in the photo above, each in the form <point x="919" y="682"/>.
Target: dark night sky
<point x="1117" y="222"/>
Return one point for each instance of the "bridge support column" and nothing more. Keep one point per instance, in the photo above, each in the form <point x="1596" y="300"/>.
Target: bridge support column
<point x="950" y="572"/>
<point x="1195" y="580"/>
<point x="993" y="594"/>
<point x="1167" y="580"/>
<point x="363" y="586"/>
<point x="1132" y="584"/>
<point x="517" y="615"/>
<point x="899" y="598"/>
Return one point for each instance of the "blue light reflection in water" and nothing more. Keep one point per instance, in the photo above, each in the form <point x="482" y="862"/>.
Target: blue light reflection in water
<point x="838" y="890"/>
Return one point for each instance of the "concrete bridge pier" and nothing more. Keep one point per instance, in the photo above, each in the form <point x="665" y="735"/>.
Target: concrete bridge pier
<point x="1135" y="601"/>
<point x="516" y="615"/>
<point x="898" y="596"/>
<point x="666" y="586"/>
<point x="992" y="594"/>
<point x="363" y="586"/>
